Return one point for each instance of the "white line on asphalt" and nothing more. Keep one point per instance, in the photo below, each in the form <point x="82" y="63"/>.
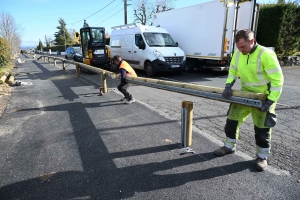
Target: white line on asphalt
<point x="41" y="107"/>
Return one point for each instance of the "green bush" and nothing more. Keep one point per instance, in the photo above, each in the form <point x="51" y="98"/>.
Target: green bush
<point x="279" y="27"/>
<point x="60" y="48"/>
<point x="4" y="52"/>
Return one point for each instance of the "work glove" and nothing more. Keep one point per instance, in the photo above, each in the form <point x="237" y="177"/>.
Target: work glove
<point x="227" y="93"/>
<point x="266" y="106"/>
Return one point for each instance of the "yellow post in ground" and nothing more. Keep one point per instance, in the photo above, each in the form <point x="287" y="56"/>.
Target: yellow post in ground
<point x="11" y="78"/>
<point x="77" y="70"/>
<point x="186" y="123"/>
<point x="103" y="78"/>
<point x="4" y="77"/>
<point x="54" y="61"/>
<point x="63" y="64"/>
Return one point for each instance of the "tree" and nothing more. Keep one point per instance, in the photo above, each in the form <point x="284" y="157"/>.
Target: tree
<point x="145" y="9"/>
<point x="40" y="46"/>
<point x="4" y="52"/>
<point x="62" y="36"/>
<point x="11" y="32"/>
<point x="48" y="40"/>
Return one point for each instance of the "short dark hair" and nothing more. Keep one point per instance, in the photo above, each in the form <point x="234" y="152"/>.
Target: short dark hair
<point x="116" y="57"/>
<point x="245" y="34"/>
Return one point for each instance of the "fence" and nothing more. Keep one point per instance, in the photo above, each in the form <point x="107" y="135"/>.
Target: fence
<point x="215" y="93"/>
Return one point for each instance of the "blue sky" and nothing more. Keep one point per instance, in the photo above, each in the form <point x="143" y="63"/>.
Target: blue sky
<point x="40" y="17"/>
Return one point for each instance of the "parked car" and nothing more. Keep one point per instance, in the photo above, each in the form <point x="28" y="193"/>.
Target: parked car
<point x="74" y="53"/>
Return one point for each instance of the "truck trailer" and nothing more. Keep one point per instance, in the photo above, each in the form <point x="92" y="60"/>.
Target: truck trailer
<point x="205" y="31"/>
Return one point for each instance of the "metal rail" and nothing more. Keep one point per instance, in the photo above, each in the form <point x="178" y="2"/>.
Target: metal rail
<point x="257" y="103"/>
<point x="209" y="95"/>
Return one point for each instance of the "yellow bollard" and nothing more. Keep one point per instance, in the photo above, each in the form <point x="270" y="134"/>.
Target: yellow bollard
<point x="103" y="78"/>
<point x="186" y="123"/>
<point x="11" y="78"/>
<point x="54" y="61"/>
<point x="4" y="77"/>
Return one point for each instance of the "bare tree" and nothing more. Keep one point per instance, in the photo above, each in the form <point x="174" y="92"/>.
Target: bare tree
<point x="145" y="9"/>
<point x="48" y="40"/>
<point x="10" y="31"/>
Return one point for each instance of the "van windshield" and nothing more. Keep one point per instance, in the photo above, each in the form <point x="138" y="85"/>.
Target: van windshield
<point x="159" y="40"/>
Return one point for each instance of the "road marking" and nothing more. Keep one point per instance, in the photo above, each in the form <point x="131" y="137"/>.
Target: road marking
<point x="41" y="107"/>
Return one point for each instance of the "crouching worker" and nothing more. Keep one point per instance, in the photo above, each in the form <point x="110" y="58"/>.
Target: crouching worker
<point x="125" y="70"/>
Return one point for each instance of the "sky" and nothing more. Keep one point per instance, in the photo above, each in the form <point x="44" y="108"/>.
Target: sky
<point x="40" y="17"/>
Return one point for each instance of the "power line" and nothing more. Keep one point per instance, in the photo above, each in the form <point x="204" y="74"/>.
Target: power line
<point x="111" y="16"/>
<point x="92" y="14"/>
<point x="107" y="13"/>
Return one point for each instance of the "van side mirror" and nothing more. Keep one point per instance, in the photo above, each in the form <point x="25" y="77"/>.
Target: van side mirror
<point x="142" y="44"/>
<point x="177" y="44"/>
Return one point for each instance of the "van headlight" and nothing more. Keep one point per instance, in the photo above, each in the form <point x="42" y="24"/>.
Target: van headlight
<point x="159" y="55"/>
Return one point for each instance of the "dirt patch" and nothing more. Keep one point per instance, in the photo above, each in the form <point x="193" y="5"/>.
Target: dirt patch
<point x="5" y="94"/>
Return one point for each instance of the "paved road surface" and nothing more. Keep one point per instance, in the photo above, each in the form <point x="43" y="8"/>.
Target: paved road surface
<point x="58" y="142"/>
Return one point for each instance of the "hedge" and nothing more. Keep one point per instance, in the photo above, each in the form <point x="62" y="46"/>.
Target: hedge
<point x="4" y="52"/>
<point x="279" y="27"/>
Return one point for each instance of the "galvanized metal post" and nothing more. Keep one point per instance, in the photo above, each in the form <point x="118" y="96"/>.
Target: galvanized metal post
<point x="183" y="126"/>
<point x="63" y="64"/>
<point x="186" y="123"/>
<point x="77" y="70"/>
<point x="103" y="78"/>
<point x="186" y="126"/>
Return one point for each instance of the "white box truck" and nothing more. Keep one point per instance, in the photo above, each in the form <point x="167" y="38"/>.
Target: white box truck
<point x="205" y="32"/>
<point x="147" y="48"/>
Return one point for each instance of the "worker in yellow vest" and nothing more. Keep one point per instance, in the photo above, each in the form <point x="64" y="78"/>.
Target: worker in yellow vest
<point x="125" y="70"/>
<point x="259" y="71"/>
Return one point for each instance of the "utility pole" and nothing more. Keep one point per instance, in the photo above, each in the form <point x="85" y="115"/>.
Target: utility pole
<point x="125" y="11"/>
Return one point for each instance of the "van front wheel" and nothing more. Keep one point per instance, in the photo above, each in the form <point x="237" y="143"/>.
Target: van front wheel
<point x="149" y="69"/>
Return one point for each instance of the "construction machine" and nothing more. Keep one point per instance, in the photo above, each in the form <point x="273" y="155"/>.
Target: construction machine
<point x="95" y="52"/>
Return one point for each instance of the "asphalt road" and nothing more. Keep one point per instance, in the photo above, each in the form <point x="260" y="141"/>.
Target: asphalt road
<point x="210" y="115"/>
<point x="59" y="140"/>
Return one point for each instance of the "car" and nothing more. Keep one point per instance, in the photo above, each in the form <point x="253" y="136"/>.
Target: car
<point x="74" y="53"/>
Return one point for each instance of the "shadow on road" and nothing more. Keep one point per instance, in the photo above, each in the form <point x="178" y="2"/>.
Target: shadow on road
<point x="101" y="178"/>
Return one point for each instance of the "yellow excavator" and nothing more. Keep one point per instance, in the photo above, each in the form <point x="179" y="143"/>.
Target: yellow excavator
<point x="95" y="52"/>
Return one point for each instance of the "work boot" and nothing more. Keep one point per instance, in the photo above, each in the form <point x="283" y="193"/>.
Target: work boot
<point x="224" y="151"/>
<point x="261" y="164"/>
<point x="129" y="101"/>
<point x="123" y="99"/>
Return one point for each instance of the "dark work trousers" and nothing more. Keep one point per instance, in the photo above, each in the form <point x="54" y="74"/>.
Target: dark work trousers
<point x="123" y="87"/>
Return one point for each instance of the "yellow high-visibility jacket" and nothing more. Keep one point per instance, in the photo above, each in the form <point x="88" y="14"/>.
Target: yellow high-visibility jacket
<point x="259" y="72"/>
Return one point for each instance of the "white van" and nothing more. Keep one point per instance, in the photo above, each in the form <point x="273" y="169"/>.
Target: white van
<point x="148" y="48"/>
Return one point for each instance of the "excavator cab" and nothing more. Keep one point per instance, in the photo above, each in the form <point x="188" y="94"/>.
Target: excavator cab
<point x="94" y="49"/>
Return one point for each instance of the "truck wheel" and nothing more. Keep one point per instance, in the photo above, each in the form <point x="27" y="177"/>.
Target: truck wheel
<point x="66" y="57"/>
<point x="75" y="59"/>
<point x="149" y="69"/>
<point x="189" y="66"/>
